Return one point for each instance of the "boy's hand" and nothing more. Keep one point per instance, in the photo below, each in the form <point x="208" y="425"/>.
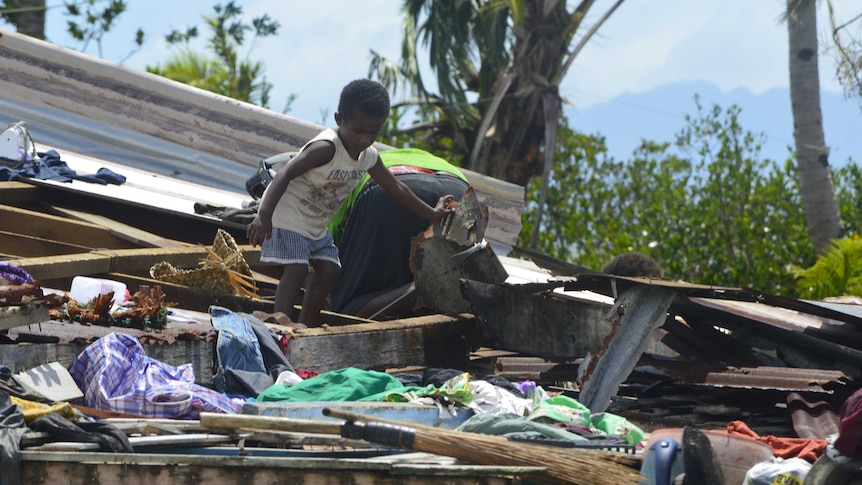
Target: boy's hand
<point x="443" y="209"/>
<point x="258" y="231"/>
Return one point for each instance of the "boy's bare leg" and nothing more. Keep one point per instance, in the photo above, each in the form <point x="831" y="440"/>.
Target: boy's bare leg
<point x="288" y="287"/>
<point x="322" y="279"/>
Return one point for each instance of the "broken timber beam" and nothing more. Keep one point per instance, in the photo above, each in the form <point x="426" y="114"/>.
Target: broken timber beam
<point x="543" y="324"/>
<point x="637" y="311"/>
<point x="375" y="345"/>
<point x="18" y="192"/>
<point x="124" y="231"/>
<point x="57" y="229"/>
<point x="18" y="246"/>
<point x="17" y="316"/>
<point x="452" y="249"/>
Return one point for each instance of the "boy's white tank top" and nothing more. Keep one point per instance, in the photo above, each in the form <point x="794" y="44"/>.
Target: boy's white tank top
<point x="312" y="198"/>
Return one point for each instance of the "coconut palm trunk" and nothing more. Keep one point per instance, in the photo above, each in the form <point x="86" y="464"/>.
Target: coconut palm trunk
<point x="812" y="155"/>
<point x="30" y="19"/>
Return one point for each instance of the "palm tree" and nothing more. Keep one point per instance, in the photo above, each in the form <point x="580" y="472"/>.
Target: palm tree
<point x="28" y="16"/>
<point x="812" y="155"/>
<point x="847" y="50"/>
<point x="498" y="66"/>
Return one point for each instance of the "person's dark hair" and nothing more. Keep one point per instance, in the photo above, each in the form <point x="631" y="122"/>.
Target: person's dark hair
<point x="367" y="95"/>
<point x="632" y="264"/>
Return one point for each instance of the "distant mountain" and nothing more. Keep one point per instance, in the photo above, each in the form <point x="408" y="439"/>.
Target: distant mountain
<point x="659" y="114"/>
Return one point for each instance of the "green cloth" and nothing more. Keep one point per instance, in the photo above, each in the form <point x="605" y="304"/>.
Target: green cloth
<point x="514" y="426"/>
<point x="348" y="384"/>
<point x="352" y="384"/>
<point x="399" y="156"/>
<point x="561" y="409"/>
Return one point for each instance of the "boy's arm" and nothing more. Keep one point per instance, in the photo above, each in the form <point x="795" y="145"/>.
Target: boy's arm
<point x="316" y="154"/>
<point x="404" y="196"/>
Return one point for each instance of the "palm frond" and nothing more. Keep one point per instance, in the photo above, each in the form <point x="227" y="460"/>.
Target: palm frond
<point x="837" y="272"/>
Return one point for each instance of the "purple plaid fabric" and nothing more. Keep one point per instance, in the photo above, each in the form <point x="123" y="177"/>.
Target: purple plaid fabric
<point x="115" y="374"/>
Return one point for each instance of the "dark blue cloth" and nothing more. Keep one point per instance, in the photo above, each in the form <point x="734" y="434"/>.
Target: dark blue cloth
<point x="12" y="428"/>
<point x="49" y="166"/>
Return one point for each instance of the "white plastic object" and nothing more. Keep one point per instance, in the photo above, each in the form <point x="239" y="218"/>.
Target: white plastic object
<point x="288" y="378"/>
<point x="16" y="145"/>
<point x="85" y="289"/>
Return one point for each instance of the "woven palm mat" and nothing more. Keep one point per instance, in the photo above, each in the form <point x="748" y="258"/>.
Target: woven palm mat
<point x="224" y="270"/>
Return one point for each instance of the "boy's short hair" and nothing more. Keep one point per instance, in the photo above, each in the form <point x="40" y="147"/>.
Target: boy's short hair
<point x="632" y="263"/>
<point x="369" y="96"/>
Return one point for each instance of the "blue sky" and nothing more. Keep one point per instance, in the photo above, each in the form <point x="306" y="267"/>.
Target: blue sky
<point x="639" y="74"/>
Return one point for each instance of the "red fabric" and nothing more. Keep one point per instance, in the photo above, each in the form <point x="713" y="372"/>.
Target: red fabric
<point x="805" y="448"/>
<point x="849" y="440"/>
<point x="399" y="169"/>
<point x="306" y="374"/>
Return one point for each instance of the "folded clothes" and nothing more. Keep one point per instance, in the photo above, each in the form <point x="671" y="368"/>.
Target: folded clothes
<point x="49" y="166"/>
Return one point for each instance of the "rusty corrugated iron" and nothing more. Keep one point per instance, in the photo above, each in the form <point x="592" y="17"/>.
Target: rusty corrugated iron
<point x="813" y="420"/>
<point x="607" y="284"/>
<point x="764" y="377"/>
<point x="536" y="369"/>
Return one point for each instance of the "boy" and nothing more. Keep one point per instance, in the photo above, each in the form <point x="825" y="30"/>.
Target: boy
<point x="291" y="223"/>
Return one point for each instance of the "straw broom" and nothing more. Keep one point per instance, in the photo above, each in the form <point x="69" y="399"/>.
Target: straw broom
<point x="565" y="467"/>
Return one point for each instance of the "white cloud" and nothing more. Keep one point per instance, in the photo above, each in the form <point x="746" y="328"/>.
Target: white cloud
<point x="732" y="43"/>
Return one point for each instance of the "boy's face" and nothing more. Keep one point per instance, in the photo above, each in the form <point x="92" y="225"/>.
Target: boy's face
<point x="358" y="130"/>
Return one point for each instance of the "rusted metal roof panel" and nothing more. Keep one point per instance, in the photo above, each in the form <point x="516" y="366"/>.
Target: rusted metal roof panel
<point x="772" y="378"/>
<point x="812" y="420"/>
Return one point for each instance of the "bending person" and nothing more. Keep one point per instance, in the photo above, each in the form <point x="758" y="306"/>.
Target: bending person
<point x="373" y="232"/>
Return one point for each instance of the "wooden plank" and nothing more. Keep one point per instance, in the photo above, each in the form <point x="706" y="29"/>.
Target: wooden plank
<point x="24" y="356"/>
<point x="98" y="468"/>
<point x="17" y="192"/>
<point x="34" y="247"/>
<point x="54" y="228"/>
<point x="16" y="316"/>
<point x="195" y="299"/>
<point x="124" y="231"/>
<point x="542" y="324"/>
<point x="376" y="345"/>
<point x="299" y="416"/>
<point x="272" y="423"/>
<point x="372" y="345"/>
<point x="136" y="261"/>
<point x="141" y="442"/>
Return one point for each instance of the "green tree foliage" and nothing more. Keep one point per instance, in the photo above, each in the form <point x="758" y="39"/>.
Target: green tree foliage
<point x="707" y="208"/>
<point x="90" y="20"/>
<point x="497" y="66"/>
<point x="224" y="73"/>
<point x="87" y="20"/>
<point x="848" y="190"/>
<point x="837" y="272"/>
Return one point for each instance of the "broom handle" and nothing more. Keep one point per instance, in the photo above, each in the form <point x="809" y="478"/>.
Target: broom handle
<point x="237" y="421"/>
<point x="351" y="416"/>
<point x="562" y="467"/>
